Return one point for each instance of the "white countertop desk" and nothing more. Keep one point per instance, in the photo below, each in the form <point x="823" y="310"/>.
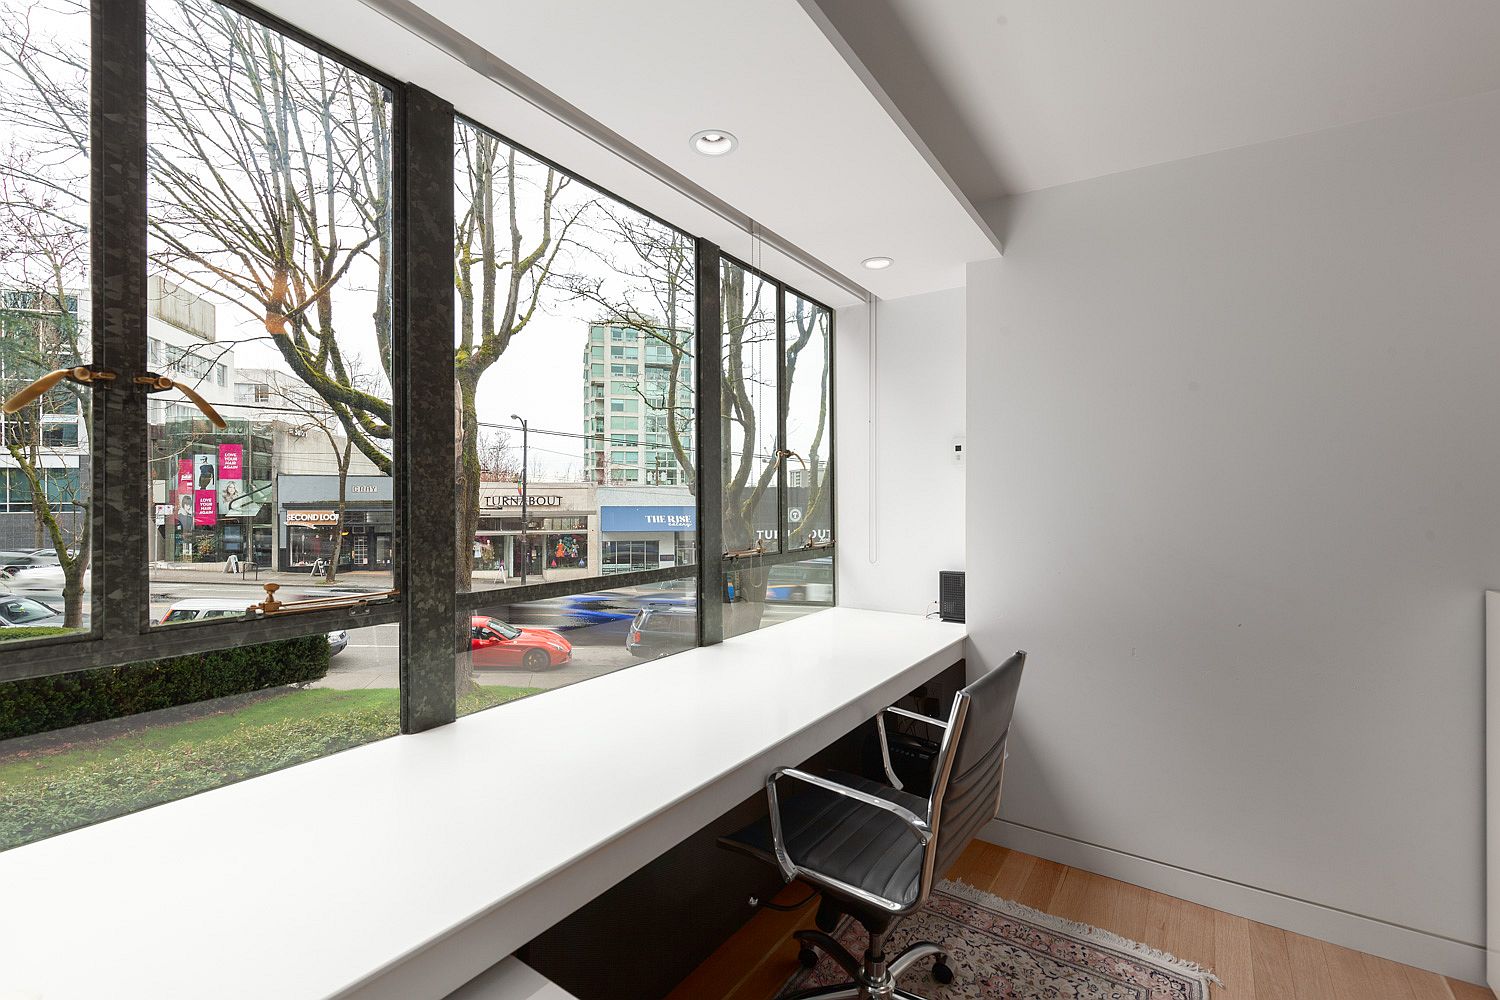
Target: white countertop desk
<point x="403" y="869"/>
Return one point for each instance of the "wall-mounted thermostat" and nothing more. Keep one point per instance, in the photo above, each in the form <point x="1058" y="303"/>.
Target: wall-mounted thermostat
<point x="958" y="449"/>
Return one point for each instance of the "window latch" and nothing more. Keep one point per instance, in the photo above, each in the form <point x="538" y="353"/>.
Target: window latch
<point x="358" y="605"/>
<point x="82" y="375"/>
<point x="160" y="383"/>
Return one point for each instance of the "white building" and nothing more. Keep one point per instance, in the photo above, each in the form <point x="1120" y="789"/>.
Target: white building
<point x="628" y="404"/>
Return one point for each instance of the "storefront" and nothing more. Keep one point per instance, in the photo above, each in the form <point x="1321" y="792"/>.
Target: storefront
<point x="310" y="529"/>
<point x="643" y="529"/>
<point x="211" y="495"/>
<point x="559" y="540"/>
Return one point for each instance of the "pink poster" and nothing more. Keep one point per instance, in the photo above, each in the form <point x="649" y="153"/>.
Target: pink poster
<point x="184" y="476"/>
<point x="205" y="507"/>
<point x="231" y="478"/>
<point x="231" y="461"/>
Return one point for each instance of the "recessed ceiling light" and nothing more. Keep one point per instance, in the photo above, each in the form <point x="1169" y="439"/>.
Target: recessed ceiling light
<point x="714" y="142"/>
<point x="877" y="263"/>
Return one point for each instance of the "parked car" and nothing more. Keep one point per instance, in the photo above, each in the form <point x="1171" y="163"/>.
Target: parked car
<point x="494" y="643"/>
<point x="659" y="630"/>
<point x="203" y="608"/>
<point x="17" y="611"/>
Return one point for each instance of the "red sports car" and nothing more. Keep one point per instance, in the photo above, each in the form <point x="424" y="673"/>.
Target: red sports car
<point x="495" y="643"/>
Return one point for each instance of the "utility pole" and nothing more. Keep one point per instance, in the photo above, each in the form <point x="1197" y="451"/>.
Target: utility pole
<point x="525" y="466"/>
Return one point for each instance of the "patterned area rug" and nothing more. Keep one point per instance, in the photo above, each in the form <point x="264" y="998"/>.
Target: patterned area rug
<point x="1000" y="950"/>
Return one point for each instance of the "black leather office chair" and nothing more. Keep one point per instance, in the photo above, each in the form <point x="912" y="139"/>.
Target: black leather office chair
<point x="874" y="850"/>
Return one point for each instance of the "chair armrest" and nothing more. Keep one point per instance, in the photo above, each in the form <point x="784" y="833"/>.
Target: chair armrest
<point x="885" y="745"/>
<point x="790" y="869"/>
<point x="918" y="716"/>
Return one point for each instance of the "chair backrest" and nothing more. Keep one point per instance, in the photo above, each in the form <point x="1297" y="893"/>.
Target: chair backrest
<point x="966" y="794"/>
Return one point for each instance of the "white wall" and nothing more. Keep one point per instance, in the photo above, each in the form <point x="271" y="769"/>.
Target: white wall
<point x="1238" y="493"/>
<point x="915" y="499"/>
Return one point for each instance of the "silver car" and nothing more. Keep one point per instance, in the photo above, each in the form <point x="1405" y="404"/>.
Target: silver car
<point x="17" y="611"/>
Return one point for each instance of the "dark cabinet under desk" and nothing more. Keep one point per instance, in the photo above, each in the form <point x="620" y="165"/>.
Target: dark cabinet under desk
<point x="642" y="937"/>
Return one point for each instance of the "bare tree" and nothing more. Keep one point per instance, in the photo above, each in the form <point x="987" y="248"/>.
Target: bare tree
<point x="498" y="461"/>
<point x="649" y="289"/>
<point x="503" y="274"/>
<point x="312" y="414"/>
<point x="271" y="169"/>
<point x="44" y="184"/>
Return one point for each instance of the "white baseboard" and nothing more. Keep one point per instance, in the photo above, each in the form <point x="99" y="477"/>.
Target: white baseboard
<point x="1400" y="944"/>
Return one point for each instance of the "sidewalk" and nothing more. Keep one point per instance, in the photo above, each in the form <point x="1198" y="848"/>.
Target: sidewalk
<point x="359" y="581"/>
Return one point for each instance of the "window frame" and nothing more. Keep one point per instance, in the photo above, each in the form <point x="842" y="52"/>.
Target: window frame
<point x="432" y="614"/>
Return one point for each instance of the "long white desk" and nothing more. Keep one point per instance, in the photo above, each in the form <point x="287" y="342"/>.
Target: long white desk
<point x="403" y="869"/>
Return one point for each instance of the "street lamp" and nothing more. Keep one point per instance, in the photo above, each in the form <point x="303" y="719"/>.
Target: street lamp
<point x="525" y="548"/>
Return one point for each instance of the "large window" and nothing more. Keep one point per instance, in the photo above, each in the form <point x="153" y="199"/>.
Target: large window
<point x="752" y="383"/>
<point x="45" y="323"/>
<point x="270" y="254"/>
<point x="776" y="414"/>
<point x="216" y="508"/>
<point x="547" y="270"/>
<point x="809" y="418"/>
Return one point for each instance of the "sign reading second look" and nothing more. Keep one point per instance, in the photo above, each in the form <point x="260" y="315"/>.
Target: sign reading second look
<point x="648" y="519"/>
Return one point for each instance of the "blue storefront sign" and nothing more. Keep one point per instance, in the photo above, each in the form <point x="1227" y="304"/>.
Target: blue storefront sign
<point x="648" y="518"/>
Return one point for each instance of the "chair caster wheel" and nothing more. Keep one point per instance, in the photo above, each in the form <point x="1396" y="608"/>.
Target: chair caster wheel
<point x="809" y="958"/>
<point x="942" y="972"/>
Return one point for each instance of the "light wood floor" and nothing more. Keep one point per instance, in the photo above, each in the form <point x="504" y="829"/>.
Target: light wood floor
<point x="1256" y="962"/>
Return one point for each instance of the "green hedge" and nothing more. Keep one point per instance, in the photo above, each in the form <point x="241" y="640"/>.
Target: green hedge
<point x="42" y="704"/>
<point x="16" y="632"/>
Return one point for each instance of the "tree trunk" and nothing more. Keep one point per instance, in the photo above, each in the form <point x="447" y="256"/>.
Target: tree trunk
<point x="338" y="531"/>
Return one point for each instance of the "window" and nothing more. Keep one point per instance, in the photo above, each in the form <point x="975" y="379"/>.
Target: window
<point x="623" y="557"/>
<point x="751" y="387"/>
<point x="224" y="199"/>
<point x="777" y="367"/>
<point x="614" y="278"/>
<point x="269" y="256"/>
<point x="808" y="368"/>
<point x="45" y="321"/>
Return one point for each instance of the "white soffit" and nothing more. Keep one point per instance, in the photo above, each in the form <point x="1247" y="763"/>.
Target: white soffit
<point x="820" y="162"/>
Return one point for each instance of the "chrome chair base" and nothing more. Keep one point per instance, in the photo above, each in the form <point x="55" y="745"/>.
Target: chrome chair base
<point x="875" y="978"/>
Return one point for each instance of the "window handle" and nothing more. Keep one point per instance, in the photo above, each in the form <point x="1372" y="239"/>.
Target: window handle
<point x="81" y="375"/>
<point x="160" y="383"/>
<point x="357" y="604"/>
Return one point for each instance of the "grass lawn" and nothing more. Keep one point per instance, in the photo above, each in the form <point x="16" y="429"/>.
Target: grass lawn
<point x="47" y="791"/>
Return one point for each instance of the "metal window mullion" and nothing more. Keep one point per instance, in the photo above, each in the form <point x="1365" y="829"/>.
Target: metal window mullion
<point x="710" y="402"/>
<point x="117" y="240"/>
<point x="423" y="385"/>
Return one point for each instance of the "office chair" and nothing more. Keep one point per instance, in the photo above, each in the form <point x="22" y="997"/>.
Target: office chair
<point x="874" y="850"/>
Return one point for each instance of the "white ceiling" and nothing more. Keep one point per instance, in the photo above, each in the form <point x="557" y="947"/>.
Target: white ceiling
<point x="820" y="161"/>
<point x="1016" y="95"/>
